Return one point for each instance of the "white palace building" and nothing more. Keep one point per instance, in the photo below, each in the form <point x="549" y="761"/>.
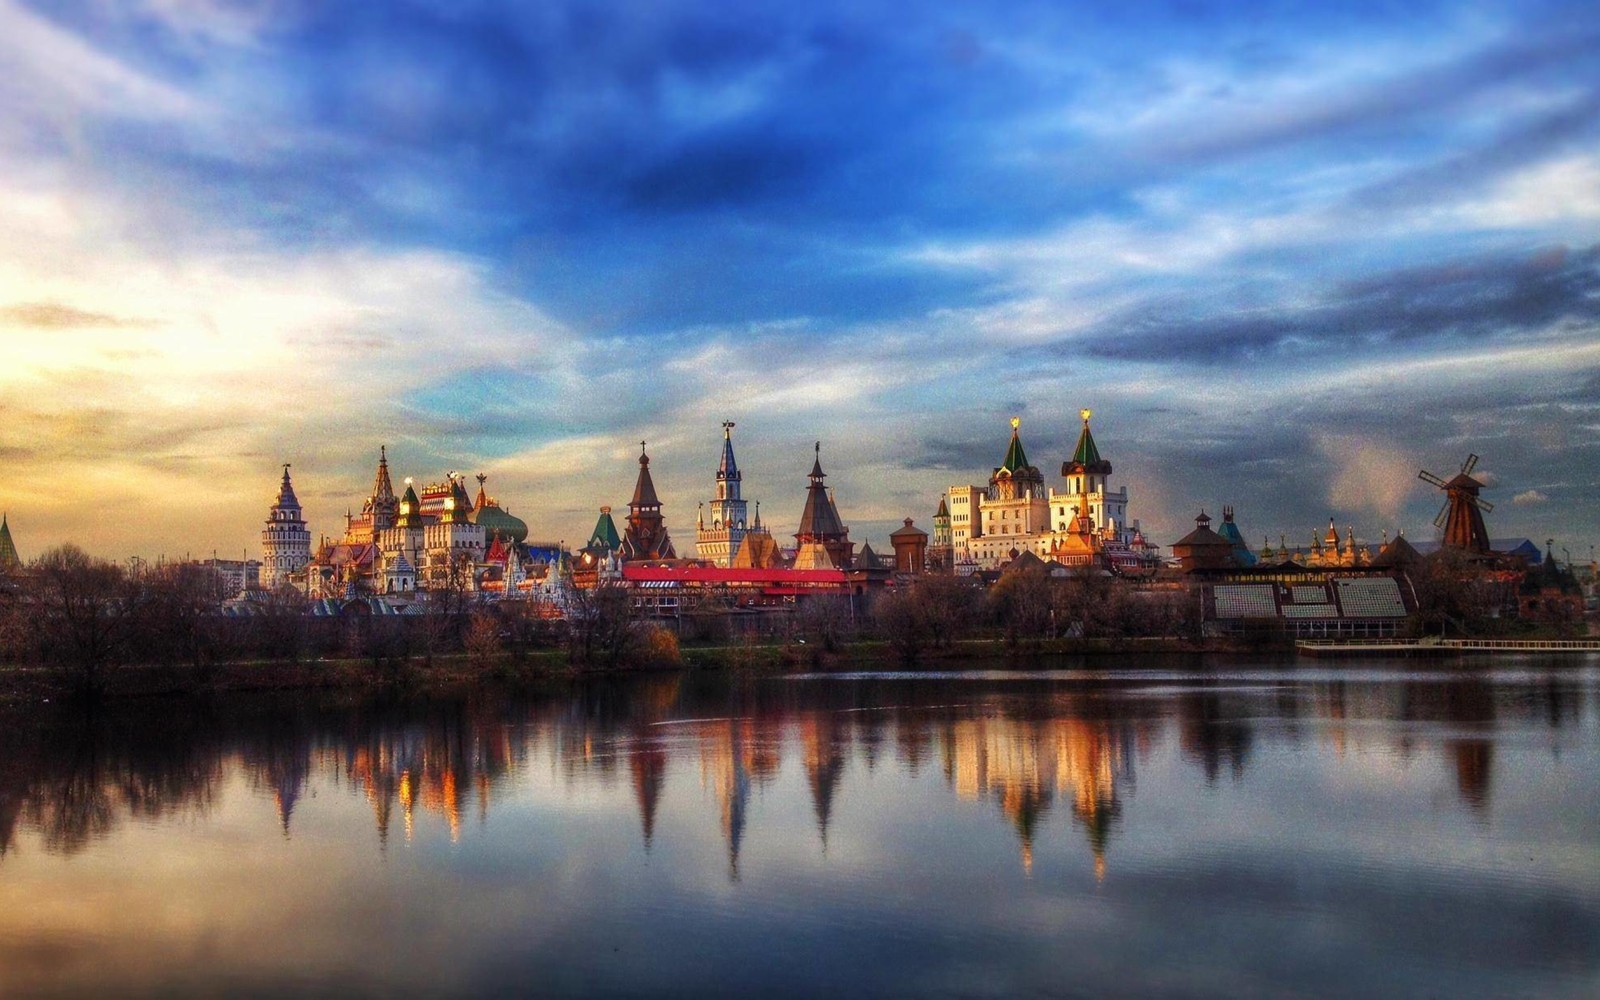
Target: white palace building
<point x="981" y="527"/>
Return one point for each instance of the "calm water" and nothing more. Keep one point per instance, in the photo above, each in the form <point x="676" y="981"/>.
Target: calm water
<point x="1240" y="830"/>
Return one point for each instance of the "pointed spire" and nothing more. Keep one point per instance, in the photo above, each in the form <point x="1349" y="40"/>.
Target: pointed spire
<point x="1015" y="460"/>
<point x="483" y="498"/>
<point x="286" y="497"/>
<point x="819" y="520"/>
<point x="728" y="469"/>
<point x="1086" y="456"/>
<point x="644" y="490"/>
<point x="382" y="488"/>
<point x="8" y="549"/>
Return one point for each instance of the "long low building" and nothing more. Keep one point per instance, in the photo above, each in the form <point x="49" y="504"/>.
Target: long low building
<point x="668" y="590"/>
<point x="1366" y="606"/>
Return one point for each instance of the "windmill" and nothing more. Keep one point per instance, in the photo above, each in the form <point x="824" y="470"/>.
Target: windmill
<point x="1461" y="517"/>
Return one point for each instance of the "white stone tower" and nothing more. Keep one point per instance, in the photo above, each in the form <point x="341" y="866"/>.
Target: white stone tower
<point x="286" y="541"/>
<point x="719" y="542"/>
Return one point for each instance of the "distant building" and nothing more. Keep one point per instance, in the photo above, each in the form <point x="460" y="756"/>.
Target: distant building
<point x="982" y="528"/>
<point x="718" y="541"/>
<point x="645" y="539"/>
<point x="286" y="541"/>
<point x="823" y="541"/>
<point x="941" y="551"/>
<point x="910" y="549"/>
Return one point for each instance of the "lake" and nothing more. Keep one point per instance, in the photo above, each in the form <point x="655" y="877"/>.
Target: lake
<point x="1134" y="829"/>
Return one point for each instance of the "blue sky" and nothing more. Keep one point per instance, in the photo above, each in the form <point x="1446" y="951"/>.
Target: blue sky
<point x="1287" y="255"/>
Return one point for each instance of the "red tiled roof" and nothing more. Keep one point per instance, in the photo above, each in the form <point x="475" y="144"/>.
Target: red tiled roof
<point x="717" y="574"/>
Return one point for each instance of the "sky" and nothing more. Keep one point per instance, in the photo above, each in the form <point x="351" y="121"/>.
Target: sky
<point x="1288" y="256"/>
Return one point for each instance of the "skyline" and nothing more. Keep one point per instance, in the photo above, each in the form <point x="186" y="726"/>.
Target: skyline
<point x="1288" y="259"/>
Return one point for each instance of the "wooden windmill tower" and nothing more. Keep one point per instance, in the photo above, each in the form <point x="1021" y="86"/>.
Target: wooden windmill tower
<point x="1461" y="517"/>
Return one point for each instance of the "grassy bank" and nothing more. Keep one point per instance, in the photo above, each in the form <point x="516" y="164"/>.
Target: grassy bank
<point x="460" y="671"/>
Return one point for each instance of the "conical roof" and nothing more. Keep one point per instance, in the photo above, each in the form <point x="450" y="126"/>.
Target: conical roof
<point x="1398" y="553"/>
<point x="605" y="534"/>
<point x="908" y="530"/>
<point x="644" y="491"/>
<point x="286" y="497"/>
<point x="943" y="510"/>
<point x="728" y="468"/>
<point x="820" y="519"/>
<point x="382" y="487"/>
<point x="8" y="549"/>
<point x="1230" y="531"/>
<point x="1015" y="460"/>
<point x="1086" y="456"/>
<point x="410" y="508"/>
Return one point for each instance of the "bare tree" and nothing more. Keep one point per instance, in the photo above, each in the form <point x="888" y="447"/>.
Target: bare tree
<point x="83" y="611"/>
<point x="600" y="624"/>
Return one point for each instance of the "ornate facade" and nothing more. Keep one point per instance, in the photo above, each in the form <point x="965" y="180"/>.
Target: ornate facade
<point x="438" y="539"/>
<point x="718" y="541"/>
<point x="1084" y="522"/>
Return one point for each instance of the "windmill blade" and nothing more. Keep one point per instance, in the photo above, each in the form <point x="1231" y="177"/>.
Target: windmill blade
<point x="1470" y="464"/>
<point x="1481" y="504"/>
<point x="1444" y="515"/>
<point x="1429" y="477"/>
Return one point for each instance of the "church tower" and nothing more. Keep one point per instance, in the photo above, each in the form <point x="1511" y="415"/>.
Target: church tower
<point x="646" y="535"/>
<point x="286" y="541"/>
<point x="383" y="507"/>
<point x="1088" y="493"/>
<point x="718" y="539"/>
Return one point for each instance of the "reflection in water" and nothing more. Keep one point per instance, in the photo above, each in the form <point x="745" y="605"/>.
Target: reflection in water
<point x="73" y="778"/>
<point x="737" y="814"/>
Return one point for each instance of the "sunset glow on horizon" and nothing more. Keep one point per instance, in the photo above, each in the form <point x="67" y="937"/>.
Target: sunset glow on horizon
<point x="1288" y="259"/>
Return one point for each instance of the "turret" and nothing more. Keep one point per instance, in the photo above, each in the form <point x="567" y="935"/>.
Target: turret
<point x="646" y="535"/>
<point x="285" y="541"/>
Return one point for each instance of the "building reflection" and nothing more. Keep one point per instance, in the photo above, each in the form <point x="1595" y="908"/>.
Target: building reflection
<point x="1039" y="752"/>
<point x="1025" y="764"/>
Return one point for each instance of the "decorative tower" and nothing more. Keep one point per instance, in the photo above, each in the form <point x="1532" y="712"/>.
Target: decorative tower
<point x="941" y="554"/>
<point x="823" y="540"/>
<point x="1087" y="474"/>
<point x="286" y="541"/>
<point x="646" y="535"/>
<point x="402" y="543"/>
<point x="1015" y="479"/>
<point x="910" y="549"/>
<point x="716" y="541"/>
<point x="454" y="545"/>
<point x="383" y="507"/>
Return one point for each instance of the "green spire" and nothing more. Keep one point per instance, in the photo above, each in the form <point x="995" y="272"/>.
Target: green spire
<point x="605" y="533"/>
<point x="1086" y="457"/>
<point x="1015" y="460"/>
<point x="1086" y="453"/>
<point x="8" y="549"/>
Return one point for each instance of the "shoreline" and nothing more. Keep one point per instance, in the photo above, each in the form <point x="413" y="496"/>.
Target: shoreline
<point x="459" y="673"/>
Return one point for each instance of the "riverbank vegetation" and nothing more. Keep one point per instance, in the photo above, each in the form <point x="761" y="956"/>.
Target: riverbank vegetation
<point x="85" y="627"/>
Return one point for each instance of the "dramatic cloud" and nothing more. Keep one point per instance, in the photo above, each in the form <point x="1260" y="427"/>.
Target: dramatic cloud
<point x="1287" y="257"/>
